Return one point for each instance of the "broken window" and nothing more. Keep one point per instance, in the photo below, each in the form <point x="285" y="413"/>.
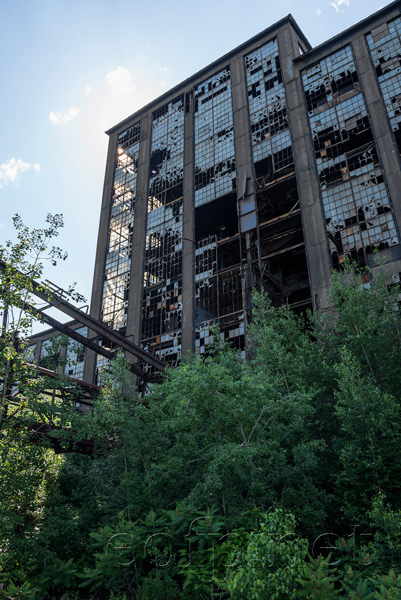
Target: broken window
<point x="217" y="256"/>
<point x="355" y="201"/>
<point x="385" y="48"/>
<point x="218" y="288"/>
<point x="215" y="173"/>
<point x="118" y="257"/>
<point x="161" y="321"/>
<point x="75" y="356"/>
<point x="332" y="81"/>
<point x="218" y="292"/>
<point x="271" y="143"/>
<point x="282" y="269"/>
<point x="167" y="155"/>
<point x="162" y="298"/>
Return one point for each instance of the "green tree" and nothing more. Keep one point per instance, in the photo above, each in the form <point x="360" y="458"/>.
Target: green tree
<point x="271" y="562"/>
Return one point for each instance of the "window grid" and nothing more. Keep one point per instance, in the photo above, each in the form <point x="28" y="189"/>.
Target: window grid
<point x="162" y="298"/>
<point x="167" y="155"/>
<point x="267" y="107"/>
<point x="218" y="297"/>
<point x="385" y="49"/>
<point x="118" y="258"/>
<point x="355" y="200"/>
<point x="75" y="356"/>
<point x="215" y="173"/>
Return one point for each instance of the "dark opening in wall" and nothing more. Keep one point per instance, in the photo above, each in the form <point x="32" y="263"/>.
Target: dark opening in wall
<point x="273" y="167"/>
<point x="264" y="169"/>
<point x="218" y="217"/>
<point x="277" y="199"/>
<point x="284" y="273"/>
<point x="156" y="160"/>
<point x="330" y="142"/>
<point x="228" y="253"/>
<point x="397" y="135"/>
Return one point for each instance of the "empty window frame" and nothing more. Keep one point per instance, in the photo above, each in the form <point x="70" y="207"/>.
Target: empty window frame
<point x="118" y="257"/>
<point x="271" y="143"/>
<point x="218" y="296"/>
<point x="355" y="200"/>
<point x="215" y="173"/>
<point x="161" y="321"/>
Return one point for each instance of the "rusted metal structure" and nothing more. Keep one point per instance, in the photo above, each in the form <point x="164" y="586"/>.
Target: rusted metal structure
<point x="74" y="393"/>
<point x="109" y="336"/>
<point x="70" y="392"/>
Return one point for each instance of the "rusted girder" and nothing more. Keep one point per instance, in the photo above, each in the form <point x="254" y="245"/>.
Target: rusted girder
<point x="78" y="337"/>
<point x="44" y="293"/>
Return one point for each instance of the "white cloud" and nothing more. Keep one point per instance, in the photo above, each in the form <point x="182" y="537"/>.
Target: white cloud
<point x="337" y="3"/>
<point x="88" y="90"/>
<point x="319" y="12"/>
<point x="12" y="168"/>
<point x="163" y="82"/>
<point x="120" y="81"/>
<point x="163" y="69"/>
<point x="58" y="119"/>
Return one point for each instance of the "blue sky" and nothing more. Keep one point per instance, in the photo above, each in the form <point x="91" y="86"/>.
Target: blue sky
<point x="73" y="69"/>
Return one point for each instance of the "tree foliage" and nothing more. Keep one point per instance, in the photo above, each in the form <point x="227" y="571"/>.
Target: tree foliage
<point x="219" y="484"/>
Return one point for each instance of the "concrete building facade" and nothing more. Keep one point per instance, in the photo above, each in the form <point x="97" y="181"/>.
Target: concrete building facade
<point x="265" y="170"/>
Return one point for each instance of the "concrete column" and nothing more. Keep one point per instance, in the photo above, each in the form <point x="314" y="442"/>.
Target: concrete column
<point x="188" y="244"/>
<point x="245" y="173"/>
<point x="313" y="221"/>
<point x="101" y="251"/>
<point x="242" y="140"/>
<point x="134" y="315"/>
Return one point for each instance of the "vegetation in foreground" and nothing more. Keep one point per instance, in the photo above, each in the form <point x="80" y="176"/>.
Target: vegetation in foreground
<point x="278" y="477"/>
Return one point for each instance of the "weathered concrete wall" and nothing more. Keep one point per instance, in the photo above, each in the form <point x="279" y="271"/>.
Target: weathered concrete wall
<point x="188" y="245"/>
<point x="134" y="312"/>
<point x="101" y="250"/>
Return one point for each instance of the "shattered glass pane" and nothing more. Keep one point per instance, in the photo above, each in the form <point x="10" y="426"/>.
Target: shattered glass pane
<point x="162" y="299"/>
<point x="355" y="200"/>
<point x="271" y="142"/>
<point x="218" y="294"/>
<point x="215" y="173"/>
<point x="385" y="48"/>
<point x="118" y="257"/>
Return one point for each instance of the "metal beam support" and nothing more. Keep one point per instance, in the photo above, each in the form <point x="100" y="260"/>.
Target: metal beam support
<point x="47" y="295"/>
<point x="78" y="337"/>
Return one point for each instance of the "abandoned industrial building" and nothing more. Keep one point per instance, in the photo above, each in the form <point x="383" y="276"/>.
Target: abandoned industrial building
<point x="265" y="169"/>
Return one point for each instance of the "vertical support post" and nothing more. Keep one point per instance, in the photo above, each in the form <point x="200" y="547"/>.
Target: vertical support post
<point x="134" y="315"/>
<point x="245" y="174"/>
<point x="188" y="242"/>
<point x="103" y="238"/>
